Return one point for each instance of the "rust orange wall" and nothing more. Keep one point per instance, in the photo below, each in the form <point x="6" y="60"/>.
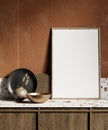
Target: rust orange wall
<point x="25" y="39"/>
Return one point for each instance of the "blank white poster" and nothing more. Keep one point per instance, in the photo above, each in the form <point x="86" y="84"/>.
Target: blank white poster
<point x="75" y="63"/>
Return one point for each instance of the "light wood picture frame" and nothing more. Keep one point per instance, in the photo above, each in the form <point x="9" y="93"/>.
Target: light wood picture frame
<point x="75" y="63"/>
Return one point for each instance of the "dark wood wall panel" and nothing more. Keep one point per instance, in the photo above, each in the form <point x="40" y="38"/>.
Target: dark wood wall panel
<point x="30" y="35"/>
<point x="8" y="36"/>
<point x="33" y="36"/>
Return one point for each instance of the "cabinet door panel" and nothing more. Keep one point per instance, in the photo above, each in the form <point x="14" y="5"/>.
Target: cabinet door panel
<point x="100" y="121"/>
<point x="17" y="121"/>
<point x="63" y="121"/>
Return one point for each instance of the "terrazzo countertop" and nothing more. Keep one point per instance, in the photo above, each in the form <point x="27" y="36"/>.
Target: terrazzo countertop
<point x="53" y="104"/>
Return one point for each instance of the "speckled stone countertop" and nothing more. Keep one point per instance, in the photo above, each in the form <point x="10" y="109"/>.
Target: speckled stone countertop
<point x="54" y="104"/>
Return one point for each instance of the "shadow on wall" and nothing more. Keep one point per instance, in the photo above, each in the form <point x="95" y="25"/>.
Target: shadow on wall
<point x="49" y="55"/>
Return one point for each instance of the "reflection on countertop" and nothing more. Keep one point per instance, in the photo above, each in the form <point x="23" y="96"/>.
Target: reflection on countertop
<point x="5" y="103"/>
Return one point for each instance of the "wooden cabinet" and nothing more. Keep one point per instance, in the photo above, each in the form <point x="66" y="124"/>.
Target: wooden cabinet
<point x="54" y="119"/>
<point x="18" y="120"/>
<point x="63" y="120"/>
<point x="99" y="119"/>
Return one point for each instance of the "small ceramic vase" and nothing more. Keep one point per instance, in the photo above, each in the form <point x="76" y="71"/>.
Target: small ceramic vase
<point x="20" y="93"/>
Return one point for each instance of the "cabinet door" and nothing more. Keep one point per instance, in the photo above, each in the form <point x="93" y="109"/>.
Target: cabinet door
<point x="18" y="121"/>
<point x="63" y="121"/>
<point x="99" y="121"/>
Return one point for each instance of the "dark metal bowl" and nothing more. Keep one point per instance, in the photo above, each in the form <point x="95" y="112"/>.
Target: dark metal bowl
<point x="22" y="78"/>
